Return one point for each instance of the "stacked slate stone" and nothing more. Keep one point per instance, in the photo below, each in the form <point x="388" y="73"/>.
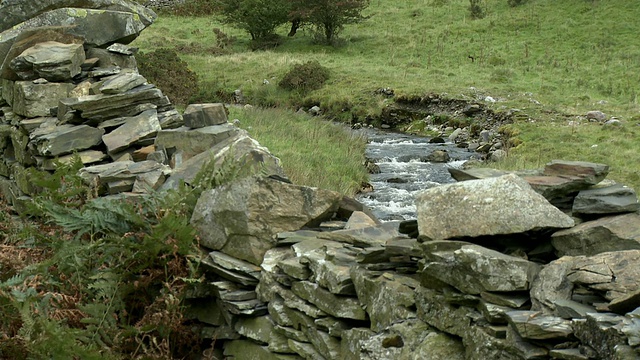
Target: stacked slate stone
<point x="495" y="279"/>
<point x="497" y="272"/>
<point x="162" y="4"/>
<point x="71" y="89"/>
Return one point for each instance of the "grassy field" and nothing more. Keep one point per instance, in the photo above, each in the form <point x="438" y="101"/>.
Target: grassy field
<point x="313" y="152"/>
<point x="553" y="60"/>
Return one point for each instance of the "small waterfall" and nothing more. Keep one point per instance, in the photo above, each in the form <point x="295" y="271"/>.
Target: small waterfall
<point x="405" y="171"/>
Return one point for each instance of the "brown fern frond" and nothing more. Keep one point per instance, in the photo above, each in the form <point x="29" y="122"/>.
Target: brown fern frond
<point x="73" y="317"/>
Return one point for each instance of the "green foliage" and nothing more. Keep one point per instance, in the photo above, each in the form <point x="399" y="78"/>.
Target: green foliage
<point x="329" y="16"/>
<point x="313" y="153"/>
<point x="305" y="77"/>
<point x="168" y="72"/>
<point x="476" y="9"/>
<point x="514" y="3"/>
<point x="259" y="18"/>
<point x="108" y="279"/>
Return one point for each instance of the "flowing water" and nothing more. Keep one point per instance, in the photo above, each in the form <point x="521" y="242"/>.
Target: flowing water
<point x="404" y="172"/>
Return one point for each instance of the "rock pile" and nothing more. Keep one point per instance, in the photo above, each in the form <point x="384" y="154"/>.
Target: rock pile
<point x="70" y="89"/>
<point x="496" y="272"/>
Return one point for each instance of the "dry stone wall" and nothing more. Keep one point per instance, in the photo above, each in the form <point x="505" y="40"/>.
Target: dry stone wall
<point x="70" y="89"/>
<point x="483" y="275"/>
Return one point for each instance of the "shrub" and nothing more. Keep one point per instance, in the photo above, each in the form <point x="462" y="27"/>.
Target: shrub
<point x="476" y="10"/>
<point x="502" y="75"/>
<point x="267" y="42"/>
<point x="329" y="16"/>
<point x="305" y="77"/>
<point x="514" y="3"/>
<point x="259" y="18"/>
<point x="168" y="72"/>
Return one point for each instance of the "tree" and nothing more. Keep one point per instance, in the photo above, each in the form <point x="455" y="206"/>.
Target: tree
<point x="328" y="16"/>
<point x="258" y="17"/>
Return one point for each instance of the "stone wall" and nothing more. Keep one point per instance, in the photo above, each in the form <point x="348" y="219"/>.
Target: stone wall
<point x="162" y="4"/>
<point x="70" y="89"/>
<point x="491" y="270"/>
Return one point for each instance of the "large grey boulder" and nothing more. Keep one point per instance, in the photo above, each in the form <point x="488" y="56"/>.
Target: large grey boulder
<point x="16" y="11"/>
<point x="613" y="233"/>
<point x="492" y="206"/>
<point x="241" y="219"/>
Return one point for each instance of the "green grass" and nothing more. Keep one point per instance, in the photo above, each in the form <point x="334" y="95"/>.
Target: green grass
<point x="546" y="141"/>
<point x="547" y="58"/>
<point x="313" y="152"/>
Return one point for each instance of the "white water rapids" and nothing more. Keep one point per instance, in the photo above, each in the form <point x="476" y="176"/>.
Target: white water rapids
<point x="404" y="172"/>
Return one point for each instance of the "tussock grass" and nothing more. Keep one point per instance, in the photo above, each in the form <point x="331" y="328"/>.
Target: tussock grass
<point x="313" y="152"/>
<point x="545" y="58"/>
<point x="546" y="141"/>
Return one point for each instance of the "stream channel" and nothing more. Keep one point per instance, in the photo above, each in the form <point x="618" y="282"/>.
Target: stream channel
<point x="404" y="171"/>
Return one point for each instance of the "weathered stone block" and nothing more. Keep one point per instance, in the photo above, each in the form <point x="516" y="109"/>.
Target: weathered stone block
<point x="202" y="115"/>
<point x="242" y="218"/>
<point x="50" y="60"/>
<point x="34" y="99"/>
<point x="613" y="233"/>
<point x="66" y="139"/>
<point x="135" y="129"/>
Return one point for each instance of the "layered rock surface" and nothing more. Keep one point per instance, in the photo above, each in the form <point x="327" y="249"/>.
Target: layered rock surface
<point x="69" y="87"/>
<point x="369" y="292"/>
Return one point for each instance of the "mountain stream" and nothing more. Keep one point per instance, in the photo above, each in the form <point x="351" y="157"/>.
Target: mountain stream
<point x="405" y="171"/>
